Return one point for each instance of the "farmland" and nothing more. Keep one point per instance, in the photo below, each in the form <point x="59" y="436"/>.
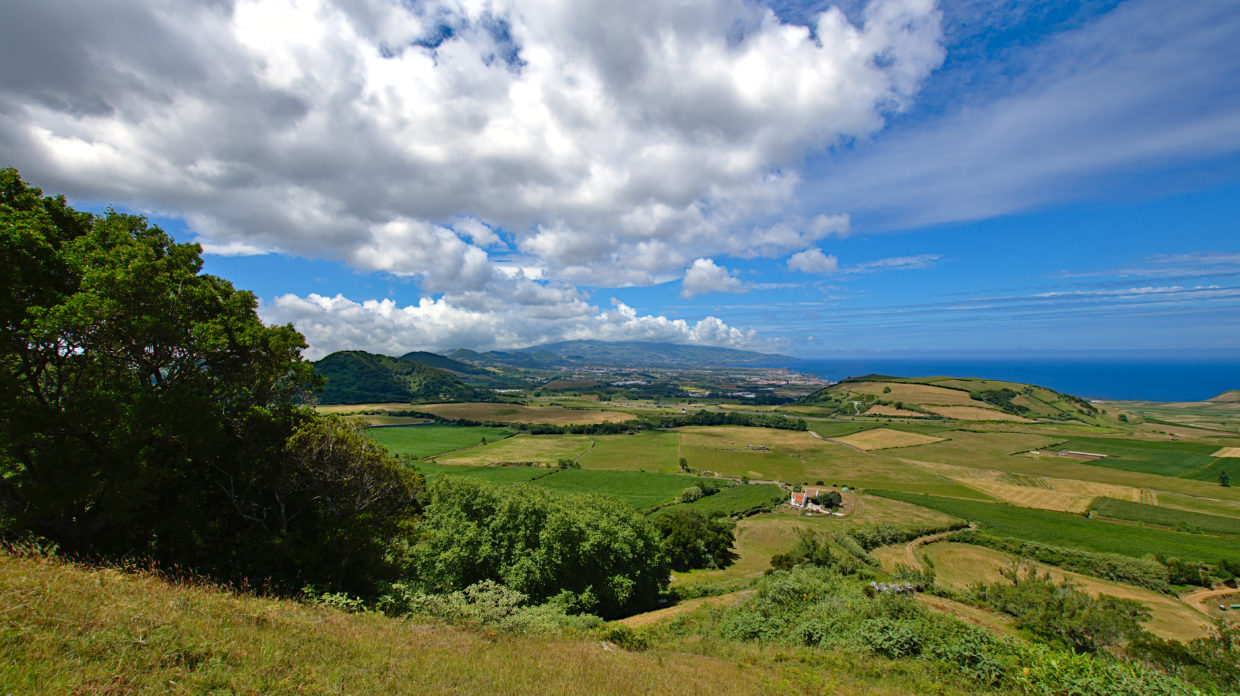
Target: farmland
<point x="653" y="451"/>
<point x="961" y="565"/>
<point x="515" y="413"/>
<point x="635" y="488"/>
<point x="885" y="438"/>
<point x="500" y="475"/>
<point x="736" y="499"/>
<point x="1074" y="531"/>
<point x="538" y="449"/>
<point x="1165" y="517"/>
<point x="1165" y="458"/>
<point x="428" y="440"/>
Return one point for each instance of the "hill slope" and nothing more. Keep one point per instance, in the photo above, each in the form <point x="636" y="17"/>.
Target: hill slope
<point x="626" y="353"/>
<point x="357" y="377"/>
<point x="1227" y="397"/>
<point x="962" y="398"/>
<point x="72" y="630"/>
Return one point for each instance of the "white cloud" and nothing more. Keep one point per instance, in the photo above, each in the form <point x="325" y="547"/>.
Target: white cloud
<point x="896" y="263"/>
<point x="813" y="261"/>
<point x="232" y="249"/>
<point x="705" y="276"/>
<point x="382" y="326"/>
<point x="610" y="142"/>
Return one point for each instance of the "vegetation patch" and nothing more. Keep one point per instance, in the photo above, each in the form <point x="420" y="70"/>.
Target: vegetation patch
<point x="975" y="413"/>
<point x="428" y="440"/>
<point x="520" y="449"/>
<point x="649" y="450"/>
<point x="1166" y="517"/>
<point x="516" y="413"/>
<point x="500" y="475"/>
<point x="1162" y="457"/>
<point x="737" y="500"/>
<point x="885" y="438"/>
<point x="1074" y="531"/>
<point x="641" y="490"/>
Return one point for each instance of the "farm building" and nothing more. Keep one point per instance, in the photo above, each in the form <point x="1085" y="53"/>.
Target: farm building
<point x="800" y="500"/>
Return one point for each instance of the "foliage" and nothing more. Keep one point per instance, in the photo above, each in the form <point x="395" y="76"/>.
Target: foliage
<point x="829" y="499"/>
<point x="602" y="553"/>
<point x="134" y="390"/>
<point x="490" y="604"/>
<point x="1060" y="611"/>
<point x="694" y="540"/>
<point x="753" y="420"/>
<point x="1074" y="531"/>
<point x="813" y="550"/>
<point x="739" y="500"/>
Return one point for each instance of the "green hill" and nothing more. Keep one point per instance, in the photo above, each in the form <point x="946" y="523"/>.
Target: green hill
<point x="358" y="377"/>
<point x="443" y="363"/>
<point x="964" y="398"/>
<point x="617" y="353"/>
<point x="1227" y="397"/>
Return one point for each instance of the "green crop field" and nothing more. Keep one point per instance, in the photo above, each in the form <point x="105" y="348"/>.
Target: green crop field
<point x="1211" y="472"/>
<point x="1161" y="457"/>
<point x="638" y="489"/>
<point x="734" y="500"/>
<point x="1194" y="503"/>
<point x="1167" y="517"/>
<point x="428" y="440"/>
<point x="542" y="449"/>
<point x="651" y="450"/>
<point x="1074" y="531"/>
<point x="837" y="429"/>
<point x="494" y="474"/>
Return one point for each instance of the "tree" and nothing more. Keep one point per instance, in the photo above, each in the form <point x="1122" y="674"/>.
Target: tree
<point x="694" y="540"/>
<point x="829" y="499"/>
<point x="146" y="410"/>
<point x="1224" y="479"/>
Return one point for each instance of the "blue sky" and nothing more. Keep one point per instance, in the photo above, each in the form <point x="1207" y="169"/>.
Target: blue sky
<point x="809" y="178"/>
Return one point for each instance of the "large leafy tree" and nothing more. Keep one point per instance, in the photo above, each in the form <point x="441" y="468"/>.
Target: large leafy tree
<point x="145" y="409"/>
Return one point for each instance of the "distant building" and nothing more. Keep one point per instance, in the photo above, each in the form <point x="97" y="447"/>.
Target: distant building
<point x="800" y="500"/>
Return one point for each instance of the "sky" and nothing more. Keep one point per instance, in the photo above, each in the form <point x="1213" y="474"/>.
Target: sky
<point x="808" y="178"/>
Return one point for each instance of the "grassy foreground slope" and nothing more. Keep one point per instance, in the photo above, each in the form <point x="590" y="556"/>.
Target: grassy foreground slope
<point x="71" y="630"/>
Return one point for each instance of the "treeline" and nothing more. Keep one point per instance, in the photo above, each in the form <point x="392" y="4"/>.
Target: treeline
<point x="702" y="417"/>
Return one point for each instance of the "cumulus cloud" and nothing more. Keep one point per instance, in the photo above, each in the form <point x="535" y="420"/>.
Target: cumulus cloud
<point x="607" y="141"/>
<point x="382" y="326"/>
<point x="705" y="276"/>
<point x="813" y="261"/>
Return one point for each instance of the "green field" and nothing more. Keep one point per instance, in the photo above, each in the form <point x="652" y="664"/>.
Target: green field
<point x="734" y="500"/>
<point x="1074" y="531"/>
<point x="651" y="450"/>
<point x="640" y="490"/>
<point x="1210" y="473"/>
<point x="1165" y="458"/>
<point x="1166" y="517"/>
<point x="495" y="474"/>
<point x="540" y="449"/>
<point x="1194" y="503"/>
<point x="428" y="440"/>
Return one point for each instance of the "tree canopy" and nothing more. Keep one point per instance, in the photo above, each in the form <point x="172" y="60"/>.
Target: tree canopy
<point x="145" y="409"/>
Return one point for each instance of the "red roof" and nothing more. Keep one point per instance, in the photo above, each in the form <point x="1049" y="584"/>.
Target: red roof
<point x="798" y="497"/>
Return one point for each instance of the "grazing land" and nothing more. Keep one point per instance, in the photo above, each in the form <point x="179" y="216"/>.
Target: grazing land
<point x="921" y="394"/>
<point x="374" y="419"/>
<point x="1165" y="517"/>
<point x="736" y="499"/>
<point x="516" y="413"/>
<point x="757" y="540"/>
<point x="519" y="449"/>
<point x="1165" y="458"/>
<point x="885" y="410"/>
<point x="428" y="440"/>
<point x="1074" y="531"/>
<point x="1232" y="452"/>
<point x="959" y="566"/>
<point x="975" y="413"/>
<point x="885" y="438"/>
<point x="494" y="474"/>
<point x="638" y="489"/>
<point x="654" y="451"/>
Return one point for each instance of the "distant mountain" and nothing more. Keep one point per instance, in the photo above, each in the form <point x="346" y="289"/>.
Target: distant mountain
<point x="617" y="353"/>
<point x="358" y="377"/>
<point x="442" y="362"/>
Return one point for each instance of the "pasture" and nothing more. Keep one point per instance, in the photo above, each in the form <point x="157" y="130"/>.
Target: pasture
<point x="1232" y="452"/>
<point x="642" y="491"/>
<point x="920" y="394"/>
<point x="516" y="413"/>
<point x="757" y="540"/>
<point x="1165" y="517"/>
<point x="959" y="566"/>
<point x="538" y="449"/>
<point x="358" y="408"/>
<point x="975" y="413"/>
<point x="649" y="450"/>
<point x="1074" y="531"/>
<point x="375" y="419"/>
<point x="885" y="438"/>
<point x="1196" y="503"/>
<point x="428" y="440"/>
<point x="892" y="411"/>
<point x="735" y="500"/>
<point x="499" y="475"/>
<point x="1161" y="457"/>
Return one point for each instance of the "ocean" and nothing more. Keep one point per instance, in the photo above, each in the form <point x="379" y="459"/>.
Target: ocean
<point x="1092" y="378"/>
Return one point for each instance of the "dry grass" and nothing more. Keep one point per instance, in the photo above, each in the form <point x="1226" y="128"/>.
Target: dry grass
<point x="685" y="607"/>
<point x="1227" y="452"/>
<point x="388" y="420"/>
<point x="358" y="408"/>
<point x="998" y="623"/>
<point x="757" y="540"/>
<point x="870" y="509"/>
<point x="975" y="413"/>
<point x="885" y="438"/>
<point x="919" y="394"/>
<point x="1043" y="493"/>
<point x="1038" y="498"/>
<point x="73" y="631"/>
<point x="515" y="413"/>
<point x="885" y="410"/>
<point x="961" y="565"/>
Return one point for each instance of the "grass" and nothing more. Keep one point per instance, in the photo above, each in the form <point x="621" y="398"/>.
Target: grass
<point x="734" y="500"/>
<point x="494" y="474"/>
<point x="1074" y="531"/>
<point x="1193" y="503"/>
<point x="515" y="413"/>
<point x="651" y="450"/>
<point x="1211" y="473"/>
<point x="428" y="440"/>
<point x="70" y="630"/>
<point x="757" y="540"/>
<point x="540" y="449"/>
<point x="1164" y="458"/>
<point x="1166" y="517"/>
<point x="920" y="394"/>
<point x="641" y="490"/>
<point x="885" y="438"/>
<point x="959" y="566"/>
